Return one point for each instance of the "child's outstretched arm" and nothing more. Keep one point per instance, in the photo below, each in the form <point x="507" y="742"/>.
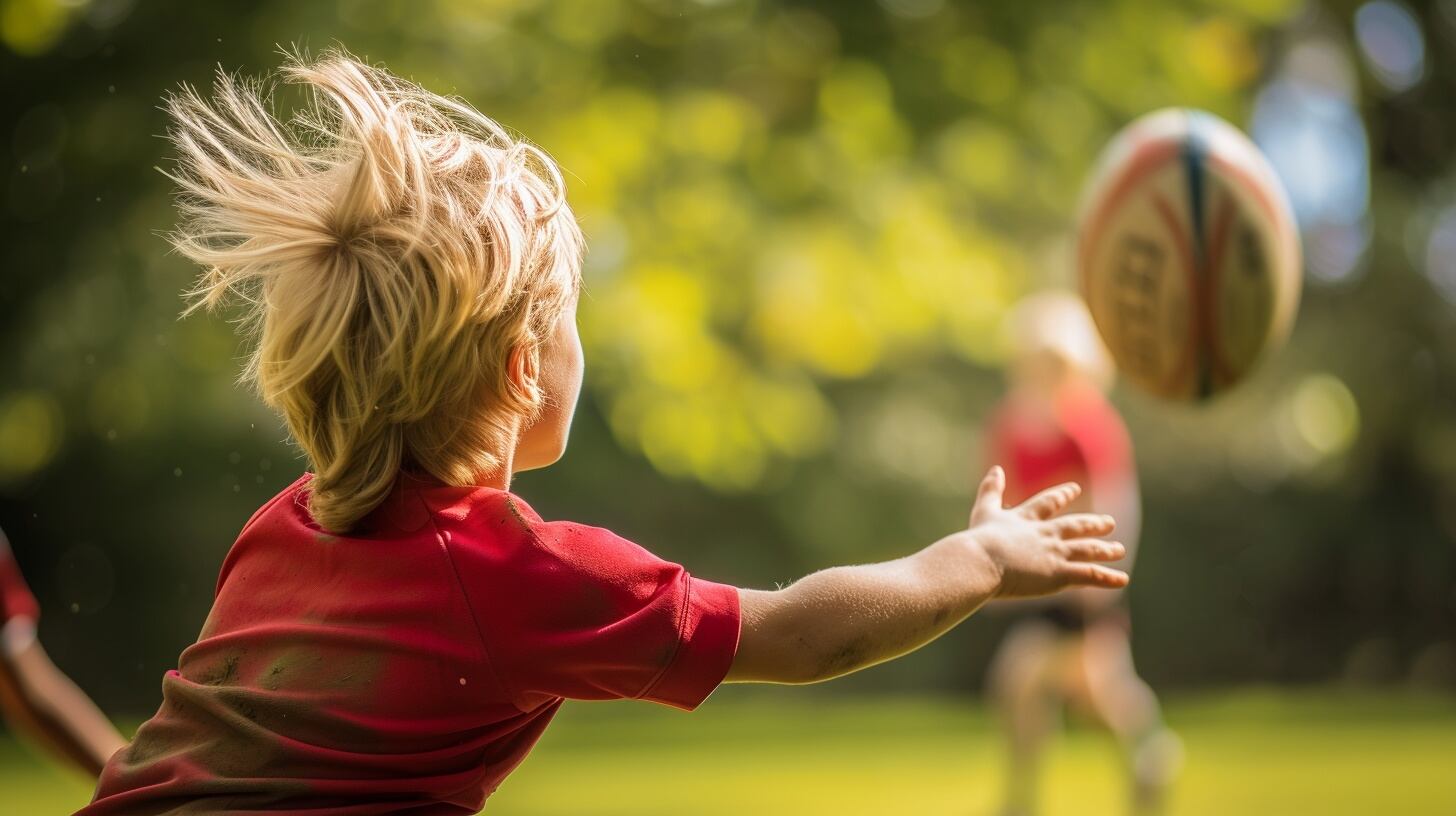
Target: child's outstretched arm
<point x="844" y="619"/>
<point x="37" y="698"/>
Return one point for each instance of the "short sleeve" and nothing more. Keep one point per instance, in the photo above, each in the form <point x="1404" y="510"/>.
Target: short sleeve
<point x="1101" y="437"/>
<point x="574" y="611"/>
<point x="15" y="598"/>
<point x="1034" y="453"/>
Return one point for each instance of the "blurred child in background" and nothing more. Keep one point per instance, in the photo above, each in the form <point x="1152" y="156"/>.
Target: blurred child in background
<point x="1056" y="425"/>
<point x="35" y="696"/>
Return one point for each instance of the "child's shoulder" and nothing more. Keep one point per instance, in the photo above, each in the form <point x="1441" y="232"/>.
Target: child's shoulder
<point x="294" y="492"/>
<point x="460" y="506"/>
<point x="411" y="505"/>
<point x="502" y="528"/>
<point x="460" y="517"/>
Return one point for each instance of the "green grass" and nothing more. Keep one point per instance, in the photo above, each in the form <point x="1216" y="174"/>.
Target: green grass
<point x="785" y="751"/>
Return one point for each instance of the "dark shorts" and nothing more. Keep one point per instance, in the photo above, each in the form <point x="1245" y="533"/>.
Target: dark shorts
<point x="1073" y="619"/>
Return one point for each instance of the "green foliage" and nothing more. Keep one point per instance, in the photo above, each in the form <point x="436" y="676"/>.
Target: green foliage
<point x="776" y="196"/>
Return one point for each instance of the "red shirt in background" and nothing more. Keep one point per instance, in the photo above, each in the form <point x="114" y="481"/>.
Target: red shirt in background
<point x="410" y="665"/>
<point x="1081" y="439"/>
<point x="15" y="598"/>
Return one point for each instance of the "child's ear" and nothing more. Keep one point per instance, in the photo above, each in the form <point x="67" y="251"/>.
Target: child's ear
<point x="523" y="368"/>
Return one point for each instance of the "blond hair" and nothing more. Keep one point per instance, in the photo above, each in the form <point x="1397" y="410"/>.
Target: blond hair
<point x="392" y="247"/>
<point x="1057" y="323"/>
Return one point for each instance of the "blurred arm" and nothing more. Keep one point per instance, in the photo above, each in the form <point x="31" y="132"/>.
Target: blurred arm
<point x="1121" y="499"/>
<point x="37" y="698"/>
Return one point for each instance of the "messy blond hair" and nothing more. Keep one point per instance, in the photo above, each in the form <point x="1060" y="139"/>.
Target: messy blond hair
<point x="391" y="247"/>
<point x="1057" y="323"/>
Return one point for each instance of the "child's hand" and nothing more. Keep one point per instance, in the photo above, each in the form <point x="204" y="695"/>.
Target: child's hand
<point x="1037" y="551"/>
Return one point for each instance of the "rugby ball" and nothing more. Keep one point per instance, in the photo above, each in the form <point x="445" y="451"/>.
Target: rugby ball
<point x="1188" y="255"/>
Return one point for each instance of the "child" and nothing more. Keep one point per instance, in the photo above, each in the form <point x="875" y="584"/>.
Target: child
<point x="35" y="696"/>
<point x="393" y="632"/>
<point x="1055" y="425"/>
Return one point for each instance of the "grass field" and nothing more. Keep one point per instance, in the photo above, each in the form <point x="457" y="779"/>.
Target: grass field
<point x="776" y="751"/>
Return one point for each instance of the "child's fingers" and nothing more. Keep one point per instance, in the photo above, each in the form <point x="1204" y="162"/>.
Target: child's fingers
<point x="1094" y="575"/>
<point x="1051" y="501"/>
<point x="1094" y="549"/>
<point x="1083" y="525"/>
<point x="988" y="496"/>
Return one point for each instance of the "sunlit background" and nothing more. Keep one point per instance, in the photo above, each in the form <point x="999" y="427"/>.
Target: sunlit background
<point x="806" y="223"/>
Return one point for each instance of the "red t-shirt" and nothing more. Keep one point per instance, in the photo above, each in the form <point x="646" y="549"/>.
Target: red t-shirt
<point x="1081" y="439"/>
<point x="15" y="598"/>
<point x="412" y="664"/>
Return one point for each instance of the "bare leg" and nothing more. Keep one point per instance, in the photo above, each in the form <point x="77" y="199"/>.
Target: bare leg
<point x="1126" y="705"/>
<point x="1022" y="686"/>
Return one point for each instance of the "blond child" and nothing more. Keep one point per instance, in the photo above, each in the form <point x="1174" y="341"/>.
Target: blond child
<point x="1054" y="425"/>
<point x="393" y="632"/>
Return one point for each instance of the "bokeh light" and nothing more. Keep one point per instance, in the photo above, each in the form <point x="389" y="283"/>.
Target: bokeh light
<point x="1440" y="253"/>
<point x="1306" y="122"/>
<point x="1325" y="415"/>
<point x="1391" y="42"/>
<point x="31" y="429"/>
